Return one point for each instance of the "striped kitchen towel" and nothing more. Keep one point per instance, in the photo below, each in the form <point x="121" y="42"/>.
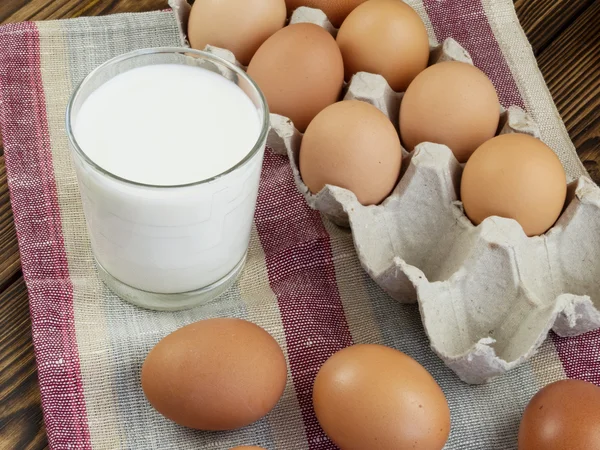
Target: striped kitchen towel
<point x="302" y="282"/>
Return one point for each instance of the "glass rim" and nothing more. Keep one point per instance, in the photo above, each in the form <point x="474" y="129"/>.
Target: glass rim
<point x="258" y="145"/>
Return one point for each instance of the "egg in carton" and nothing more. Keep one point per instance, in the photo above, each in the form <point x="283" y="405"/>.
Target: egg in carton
<point x="488" y="295"/>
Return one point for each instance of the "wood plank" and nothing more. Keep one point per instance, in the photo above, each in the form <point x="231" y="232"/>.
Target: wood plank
<point x="10" y="262"/>
<point x="62" y="9"/>
<point x="21" y="420"/>
<point x="561" y="32"/>
<point x="571" y="67"/>
<point x="543" y="20"/>
<point x="8" y="8"/>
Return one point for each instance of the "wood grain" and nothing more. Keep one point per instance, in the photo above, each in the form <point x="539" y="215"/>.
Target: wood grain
<point x="544" y="20"/>
<point x="21" y="422"/>
<point x="62" y="9"/>
<point x="564" y="35"/>
<point x="10" y="263"/>
<point x="571" y="67"/>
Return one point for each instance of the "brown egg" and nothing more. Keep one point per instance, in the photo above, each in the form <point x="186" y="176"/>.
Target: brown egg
<point x="563" y="416"/>
<point x="353" y="145"/>
<point x="518" y="177"/>
<point x="375" y="397"/>
<point x="300" y="70"/>
<point x="336" y="10"/>
<point x="237" y="25"/>
<point x="386" y="37"/>
<point x="218" y="374"/>
<point x="450" y="103"/>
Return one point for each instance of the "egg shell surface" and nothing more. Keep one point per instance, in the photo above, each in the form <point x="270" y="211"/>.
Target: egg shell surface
<point x="564" y="415"/>
<point x="385" y="37"/>
<point x="518" y="177"/>
<point x="300" y="71"/>
<point x="450" y="103"/>
<point x="375" y="397"/>
<point x="217" y="374"/>
<point x="353" y="145"/>
<point x="240" y="26"/>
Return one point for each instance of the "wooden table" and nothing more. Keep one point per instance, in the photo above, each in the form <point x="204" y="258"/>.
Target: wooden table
<point x="565" y="35"/>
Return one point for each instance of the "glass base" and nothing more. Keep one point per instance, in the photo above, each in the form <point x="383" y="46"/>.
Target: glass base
<point x="170" y="302"/>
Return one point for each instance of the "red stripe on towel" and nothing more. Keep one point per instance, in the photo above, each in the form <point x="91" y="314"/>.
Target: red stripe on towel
<point x="302" y="276"/>
<point x="39" y="229"/>
<point x="466" y="22"/>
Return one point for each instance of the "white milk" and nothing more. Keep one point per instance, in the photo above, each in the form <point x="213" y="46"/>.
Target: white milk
<point x="163" y="126"/>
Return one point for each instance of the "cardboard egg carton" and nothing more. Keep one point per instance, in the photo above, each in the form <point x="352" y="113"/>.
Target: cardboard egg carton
<point x="488" y="295"/>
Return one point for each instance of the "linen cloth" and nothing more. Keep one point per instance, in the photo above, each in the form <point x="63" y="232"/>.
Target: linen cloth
<point x="302" y="281"/>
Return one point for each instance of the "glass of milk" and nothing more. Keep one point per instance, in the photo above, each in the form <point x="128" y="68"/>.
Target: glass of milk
<point x="167" y="144"/>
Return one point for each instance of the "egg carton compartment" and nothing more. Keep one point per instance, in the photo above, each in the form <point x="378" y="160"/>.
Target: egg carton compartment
<point x="488" y="294"/>
<point x="284" y="138"/>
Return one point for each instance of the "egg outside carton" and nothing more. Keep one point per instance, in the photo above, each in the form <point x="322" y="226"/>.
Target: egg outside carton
<point x="488" y="295"/>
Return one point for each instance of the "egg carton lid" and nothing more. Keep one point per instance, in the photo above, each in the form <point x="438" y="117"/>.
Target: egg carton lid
<point x="488" y="294"/>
